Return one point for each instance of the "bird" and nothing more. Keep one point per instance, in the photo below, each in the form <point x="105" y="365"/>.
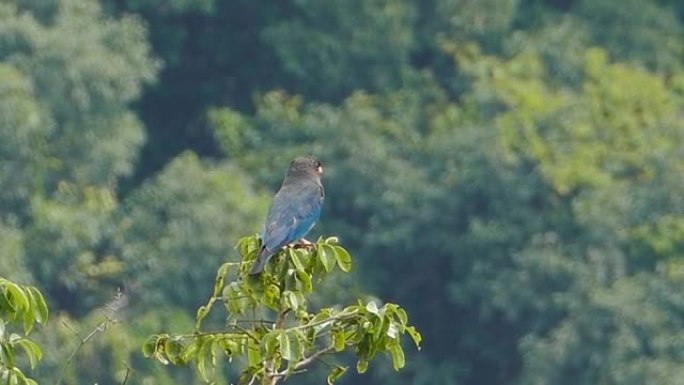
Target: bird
<point x="294" y="210"/>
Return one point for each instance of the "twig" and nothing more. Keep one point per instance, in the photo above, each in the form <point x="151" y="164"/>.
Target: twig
<point x="281" y="319"/>
<point x="301" y="365"/>
<point x="305" y="362"/>
<point x="219" y="333"/>
<point x="270" y="371"/>
<point x="331" y="319"/>
<point x="247" y="333"/>
<point x="251" y="381"/>
<point x="110" y="309"/>
<point x="255" y="321"/>
<point x="101" y="327"/>
<point x="128" y="371"/>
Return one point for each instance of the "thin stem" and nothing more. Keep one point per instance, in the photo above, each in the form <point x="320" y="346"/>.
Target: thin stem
<point x="247" y="333"/>
<point x="255" y="321"/>
<point x="128" y="371"/>
<point x="203" y="334"/>
<point x="301" y="365"/>
<point x="101" y="327"/>
<point x="331" y="319"/>
<point x="281" y="319"/>
<point x="271" y="372"/>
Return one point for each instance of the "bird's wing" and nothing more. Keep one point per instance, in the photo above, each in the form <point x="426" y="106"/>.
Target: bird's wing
<point x="294" y="211"/>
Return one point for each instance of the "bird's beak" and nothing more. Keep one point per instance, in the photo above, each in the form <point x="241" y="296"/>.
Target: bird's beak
<point x="319" y="169"/>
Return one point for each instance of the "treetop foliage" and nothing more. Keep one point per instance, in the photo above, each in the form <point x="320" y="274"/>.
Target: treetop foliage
<point x="268" y="322"/>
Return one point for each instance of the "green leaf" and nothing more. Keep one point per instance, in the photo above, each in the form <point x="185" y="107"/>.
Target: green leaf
<point x="372" y="308"/>
<point x="159" y="346"/>
<point x="291" y="300"/>
<point x="414" y="335"/>
<point x="285" y="348"/>
<point x="397" y="353"/>
<point x="28" y="320"/>
<point x="16" y="297"/>
<point x="2" y="329"/>
<point x="361" y="366"/>
<point x="339" y="339"/>
<point x="272" y="294"/>
<point x="401" y="315"/>
<point x="270" y="343"/>
<point x="232" y="299"/>
<point x="201" y="362"/>
<point x="5" y="307"/>
<point x="247" y="246"/>
<point x="32" y="351"/>
<point x="344" y="260"/>
<point x="220" y="278"/>
<point x="14" y="337"/>
<point x="230" y="347"/>
<point x="326" y="254"/>
<point x="295" y="351"/>
<point x="40" y="306"/>
<point x="392" y="330"/>
<point x="191" y="351"/>
<point x="253" y="353"/>
<point x="173" y="349"/>
<point x="305" y="280"/>
<point x="202" y="312"/>
<point x="295" y="260"/>
<point x="150" y="346"/>
<point x="19" y="377"/>
<point x="8" y="352"/>
<point x="335" y="374"/>
<point x="380" y="329"/>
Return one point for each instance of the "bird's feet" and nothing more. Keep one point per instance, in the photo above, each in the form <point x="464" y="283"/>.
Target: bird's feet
<point x="303" y="244"/>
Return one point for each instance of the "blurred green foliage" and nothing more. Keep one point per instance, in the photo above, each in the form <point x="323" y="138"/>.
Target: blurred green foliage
<point x="509" y="171"/>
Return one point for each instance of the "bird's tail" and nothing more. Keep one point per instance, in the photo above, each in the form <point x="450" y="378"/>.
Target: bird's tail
<point x="260" y="262"/>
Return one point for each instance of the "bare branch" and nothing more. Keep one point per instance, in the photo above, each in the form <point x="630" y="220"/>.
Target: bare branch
<point x="307" y="361"/>
<point x="128" y="371"/>
<point x="110" y="310"/>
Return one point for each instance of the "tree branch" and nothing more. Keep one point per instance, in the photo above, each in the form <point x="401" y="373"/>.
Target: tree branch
<point x="128" y="371"/>
<point x="301" y="365"/>
<point x="331" y="319"/>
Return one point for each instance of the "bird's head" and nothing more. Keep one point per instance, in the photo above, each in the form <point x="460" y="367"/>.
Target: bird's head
<point x="305" y="166"/>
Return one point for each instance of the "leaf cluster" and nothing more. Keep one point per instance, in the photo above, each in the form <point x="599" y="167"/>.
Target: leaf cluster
<point x="269" y="326"/>
<point x="26" y="306"/>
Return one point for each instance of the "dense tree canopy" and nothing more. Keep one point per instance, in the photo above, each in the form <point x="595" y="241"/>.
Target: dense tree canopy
<point x="510" y="172"/>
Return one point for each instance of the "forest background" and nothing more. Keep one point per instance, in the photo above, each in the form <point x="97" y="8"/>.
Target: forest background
<point x="509" y="171"/>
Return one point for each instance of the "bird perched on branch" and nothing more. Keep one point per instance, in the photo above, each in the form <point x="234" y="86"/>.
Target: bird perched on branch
<point x="294" y="211"/>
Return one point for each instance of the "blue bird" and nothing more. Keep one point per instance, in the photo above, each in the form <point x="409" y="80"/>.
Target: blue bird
<point x="295" y="209"/>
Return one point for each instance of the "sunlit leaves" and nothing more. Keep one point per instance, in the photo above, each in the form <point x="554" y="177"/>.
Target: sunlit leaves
<point x="23" y="305"/>
<point x="326" y="255"/>
<point x="343" y="259"/>
<point x="287" y="337"/>
<point x="618" y="126"/>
